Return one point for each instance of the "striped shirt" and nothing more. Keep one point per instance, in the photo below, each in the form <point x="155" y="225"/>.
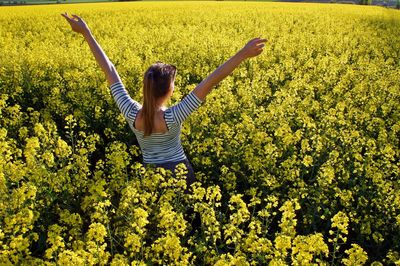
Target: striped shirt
<point x="157" y="147"/>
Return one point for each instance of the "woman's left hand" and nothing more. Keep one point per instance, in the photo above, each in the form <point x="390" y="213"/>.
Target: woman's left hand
<point x="77" y="24"/>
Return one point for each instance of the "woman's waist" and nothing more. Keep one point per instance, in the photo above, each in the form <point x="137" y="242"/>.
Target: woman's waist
<point x="165" y="156"/>
<point x="166" y="163"/>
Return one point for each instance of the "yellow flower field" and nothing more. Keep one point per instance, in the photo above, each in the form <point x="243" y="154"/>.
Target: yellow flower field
<point x="296" y="153"/>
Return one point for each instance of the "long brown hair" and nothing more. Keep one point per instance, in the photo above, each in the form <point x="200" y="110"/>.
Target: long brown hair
<point x="156" y="84"/>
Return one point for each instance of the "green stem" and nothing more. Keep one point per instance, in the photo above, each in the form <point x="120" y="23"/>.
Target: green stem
<point x="110" y="237"/>
<point x="334" y="247"/>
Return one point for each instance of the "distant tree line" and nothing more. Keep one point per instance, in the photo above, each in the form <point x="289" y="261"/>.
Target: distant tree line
<point x="385" y="3"/>
<point x="361" y="2"/>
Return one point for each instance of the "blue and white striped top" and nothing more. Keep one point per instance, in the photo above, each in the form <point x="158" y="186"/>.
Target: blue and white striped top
<point x="157" y="147"/>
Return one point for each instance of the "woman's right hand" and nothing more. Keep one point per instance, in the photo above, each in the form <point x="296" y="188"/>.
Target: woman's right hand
<point x="253" y="48"/>
<point x="77" y="24"/>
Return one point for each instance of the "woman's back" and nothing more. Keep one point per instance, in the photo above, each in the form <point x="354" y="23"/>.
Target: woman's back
<point x="160" y="125"/>
<point x="164" y="144"/>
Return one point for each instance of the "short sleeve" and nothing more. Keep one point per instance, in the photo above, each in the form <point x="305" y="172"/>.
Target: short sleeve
<point x="184" y="108"/>
<point x="125" y="103"/>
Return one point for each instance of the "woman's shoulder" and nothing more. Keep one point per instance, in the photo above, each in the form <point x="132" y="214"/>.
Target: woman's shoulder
<point x="169" y="116"/>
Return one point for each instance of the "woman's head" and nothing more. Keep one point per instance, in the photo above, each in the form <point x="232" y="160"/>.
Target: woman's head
<point x="158" y="85"/>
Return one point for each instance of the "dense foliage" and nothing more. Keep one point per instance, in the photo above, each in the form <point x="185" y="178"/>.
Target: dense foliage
<point x="296" y="153"/>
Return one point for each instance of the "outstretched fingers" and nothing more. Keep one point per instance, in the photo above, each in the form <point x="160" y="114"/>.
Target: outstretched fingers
<point x="254" y="47"/>
<point x="65" y="15"/>
<point x="258" y="40"/>
<point x="260" y="44"/>
<point x="77" y="23"/>
<point x="71" y="19"/>
<point x="257" y="43"/>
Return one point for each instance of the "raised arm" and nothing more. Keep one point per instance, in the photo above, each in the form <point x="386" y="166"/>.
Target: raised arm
<point x="253" y="48"/>
<point x="78" y="25"/>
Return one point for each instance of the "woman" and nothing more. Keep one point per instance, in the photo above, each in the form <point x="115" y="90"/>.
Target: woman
<point x="158" y="128"/>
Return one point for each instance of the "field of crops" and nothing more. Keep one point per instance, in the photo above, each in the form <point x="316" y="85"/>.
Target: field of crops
<point x="296" y="153"/>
